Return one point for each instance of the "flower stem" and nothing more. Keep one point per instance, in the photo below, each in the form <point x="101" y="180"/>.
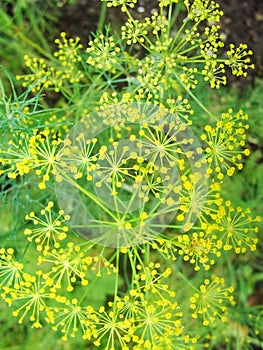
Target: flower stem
<point x="103" y="11"/>
<point x="89" y="195"/>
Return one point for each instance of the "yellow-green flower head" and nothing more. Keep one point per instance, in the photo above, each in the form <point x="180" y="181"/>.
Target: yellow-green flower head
<point x="225" y="143"/>
<point x="123" y="3"/>
<point x="53" y="74"/>
<point x="11" y="270"/>
<point x="33" y="294"/>
<point x="103" y="53"/>
<point x="237" y="229"/>
<point x="130" y="164"/>
<point x="239" y="60"/>
<point x="48" y="230"/>
<point x="200" y="10"/>
<point x="212" y="300"/>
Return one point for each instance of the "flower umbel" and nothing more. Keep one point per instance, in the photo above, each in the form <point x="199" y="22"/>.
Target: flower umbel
<point x="210" y="302"/>
<point x="237" y="228"/>
<point x="225" y="141"/>
<point x="49" y="230"/>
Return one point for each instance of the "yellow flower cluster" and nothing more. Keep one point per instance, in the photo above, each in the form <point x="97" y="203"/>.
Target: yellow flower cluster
<point x="10" y="269"/>
<point x="200" y="10"/>
<point x="134" y="31"/>
<point x="199" y="249"/>
<point x="45" y="74"/>
<point x="238" y="59"/>
<point x="225" y="141"/>
<point x="174" y="58"/>
<point x="122" y="3"/>
<point x="68" y="264"/>
<point x="163" y="3"/>
<point x="237" y="228"/>
<point x="103" y="53"/>
<point x="25" y="153"/>
<point x="211" y="301"/>
<point x="48" y="231"/>
<point x="154" y="219"/>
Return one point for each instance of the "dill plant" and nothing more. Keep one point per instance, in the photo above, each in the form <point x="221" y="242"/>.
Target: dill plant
<point x="112" y="183"/>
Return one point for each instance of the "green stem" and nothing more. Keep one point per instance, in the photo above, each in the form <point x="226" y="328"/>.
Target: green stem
<point x="195" y="98"/>
<point x="89" y="195"/>
<point x="38" y="32"/>
<point x="103" y="11"/>
<point x="26" y="40"/>
<point x="127" y="12"/>
<point x="147" y="254"/>
<point x="138" y="257"/>
<point x="175" y="13"/>
<point x="116" y="288"/>
<point x="180" y="273"/>
<point x="177" y="36"/>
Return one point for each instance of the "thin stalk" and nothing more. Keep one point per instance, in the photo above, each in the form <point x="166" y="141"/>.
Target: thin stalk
<point x="89" y="195"/>
<point x="102" y="17"/>
<point x="195" y="98"/>
<point x="180" y="273"/>
<point x="177" y="36"/>
<point x="38" y="32"/>
<point x="175" y="13"/>
<point x="116" y="288"/>
<point x="26" y="40"/>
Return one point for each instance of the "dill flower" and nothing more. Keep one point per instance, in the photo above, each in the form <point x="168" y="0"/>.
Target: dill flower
<point x="45" y="152"/>
<point x="133" y="170"/>
<point x="188" y="77"/>
<point x="70" y="318"/>
<point x="134" y="31"/>
<point x="212" y="300"/>
<point x="238" y="59"/>
<point x="150" y="279"/>
<point x="46" y="74"/>
<point x="180" y="107"/>
<point x="11" y="270"/>
<point x="155" y="315"/>
<point x="197" y="202"/>
<point x="237" y="228"/>
<point x="149" y="73"/>
<point x="163" y="3"/>
<point x="225" y="141"/>
<point x="34" y="294"/>
<point x="110" y="328"/>
<point x="150" y="309"/>
<point x="200" y="10"/>
<point x="26" y="152"/>
<point x="133" y="177"/>
<point x="122" y="3"/>
<point x="39" y="73"/>
<point x="198" y="249"/>
<point x="213" y="73"/>
<point x="16" y="157"/>
<point x="157" y="319"/>
<point x="158" y="22"/>
<point x="103" y="53"/>
<point x="68" y="52"/>
<point x="79" y="160"/>
<point x="48" y="230"/>
<point x="69" y="265"/>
